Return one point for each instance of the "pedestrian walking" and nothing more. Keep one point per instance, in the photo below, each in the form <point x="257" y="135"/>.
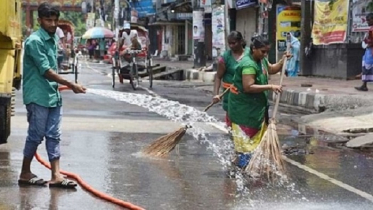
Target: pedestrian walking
<point x="367" y="61"/>
<point x="43" y="99"/>
<point x="227" y="66"/>
<point x="248" y="100"/>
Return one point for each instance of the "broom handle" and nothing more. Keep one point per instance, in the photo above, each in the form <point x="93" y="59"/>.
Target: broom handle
<point x="281" y="79"/>
<point x="212" y="103"/>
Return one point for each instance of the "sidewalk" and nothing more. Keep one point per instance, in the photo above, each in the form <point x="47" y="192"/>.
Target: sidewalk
<point x="320" y="94"/>
<point x="314" y="94"/>
<point x="177" y="64"/>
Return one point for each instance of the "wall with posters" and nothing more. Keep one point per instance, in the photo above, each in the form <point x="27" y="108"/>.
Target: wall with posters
<point x="246" y="22"/>
<point x="198" y="28"/>
<point x="360" y="9"/>
<point x="218" y="33"/>
<point x="330" y="22"/>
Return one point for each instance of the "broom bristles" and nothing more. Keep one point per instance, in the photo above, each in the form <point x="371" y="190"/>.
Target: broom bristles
<point x="267" y="159"/>
<point x="165" y="144"/>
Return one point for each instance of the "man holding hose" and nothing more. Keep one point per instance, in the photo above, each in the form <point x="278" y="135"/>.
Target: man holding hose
<point x="43" y="99"/>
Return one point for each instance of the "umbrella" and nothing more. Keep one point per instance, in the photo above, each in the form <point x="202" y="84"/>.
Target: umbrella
<point x="98" y="33"/>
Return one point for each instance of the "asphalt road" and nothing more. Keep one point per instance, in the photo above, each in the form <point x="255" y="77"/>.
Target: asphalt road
<point x="103" y="135"/>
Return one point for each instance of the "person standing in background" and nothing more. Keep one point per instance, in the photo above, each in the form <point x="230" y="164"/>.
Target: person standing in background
<point x="292" y="67"/>
<point x="367" y="62"/>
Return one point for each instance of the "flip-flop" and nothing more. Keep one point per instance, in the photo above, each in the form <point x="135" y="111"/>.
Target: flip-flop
<point x="33" y="181"/>
<point x="67" y="184"/>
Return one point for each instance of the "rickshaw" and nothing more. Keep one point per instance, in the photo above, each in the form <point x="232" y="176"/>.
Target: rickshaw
<point x="132" y="64"/>
<point x="70" y="62"/>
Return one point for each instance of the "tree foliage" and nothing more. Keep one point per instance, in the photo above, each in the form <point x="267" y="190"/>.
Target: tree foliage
<point x="77" y="18"/>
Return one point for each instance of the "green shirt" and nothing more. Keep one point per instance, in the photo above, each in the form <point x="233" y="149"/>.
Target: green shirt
<point x="231" y="65"/>
<point x="248" y="109"/>
<point x="40" y="55"/>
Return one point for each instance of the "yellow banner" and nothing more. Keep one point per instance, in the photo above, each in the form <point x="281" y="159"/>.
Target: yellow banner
<point x="288" y="20"/>
<point x="331" y="20"/>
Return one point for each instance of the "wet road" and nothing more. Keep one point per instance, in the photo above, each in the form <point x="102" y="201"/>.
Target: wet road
<point x="102" y="138"/>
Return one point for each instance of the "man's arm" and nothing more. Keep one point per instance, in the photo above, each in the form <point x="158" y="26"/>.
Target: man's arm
<point x="40" y="59"/>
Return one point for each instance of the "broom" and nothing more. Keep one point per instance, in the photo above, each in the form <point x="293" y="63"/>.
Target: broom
<point x="165" y="144"/>
<point x="267" y="158"/>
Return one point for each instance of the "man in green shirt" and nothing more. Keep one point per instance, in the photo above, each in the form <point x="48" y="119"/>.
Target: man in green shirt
<point x="42" y="98"/>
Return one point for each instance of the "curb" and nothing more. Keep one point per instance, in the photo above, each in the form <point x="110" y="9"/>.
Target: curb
<point x="196" y="75"/>
<point x="311" y="101"/>
<point x="320" y="102"/>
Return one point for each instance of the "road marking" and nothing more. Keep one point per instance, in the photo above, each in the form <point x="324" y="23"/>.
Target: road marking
<point x="86" y="63"/>
<point x="328" y="178"/>
<point x="306" y="168"/>
<point x="150" y="92"/>
<point x="110" y="75"/>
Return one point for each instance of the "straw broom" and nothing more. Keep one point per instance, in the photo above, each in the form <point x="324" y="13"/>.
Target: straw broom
<point x="165" y="144"/>
<point x="267" y="158"/>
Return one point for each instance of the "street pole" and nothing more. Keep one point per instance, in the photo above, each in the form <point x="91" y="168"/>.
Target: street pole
<point x="305" y="63"/>
<point x="116" y="20"/>
<point x="227" y="23"/>
<point x="199" y="43"/>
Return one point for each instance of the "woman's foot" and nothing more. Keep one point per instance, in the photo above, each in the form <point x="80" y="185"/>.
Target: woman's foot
<point x="361" y="88"/>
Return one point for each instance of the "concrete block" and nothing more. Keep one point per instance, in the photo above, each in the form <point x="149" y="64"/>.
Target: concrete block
<point x="208" y="76"/>
<point x="192" y="74"/>
<point x="361" y="141"/>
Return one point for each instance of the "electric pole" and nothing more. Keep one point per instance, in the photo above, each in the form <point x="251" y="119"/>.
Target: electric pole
<point x="198" y="35"/>
<point x="227" y="23"/>
<point x="305" y="63"/>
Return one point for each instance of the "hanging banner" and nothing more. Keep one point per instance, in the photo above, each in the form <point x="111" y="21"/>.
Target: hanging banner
<point x="360" y="9"/>
<point x="331" y="20"/>
<point x="206" y="4"/>
<point x="144" y="7"/>
<point x="218" y="35"/>
<point x="198" y="29"/>
<point x="288" y="20"/>
<point x="90" y="22"/>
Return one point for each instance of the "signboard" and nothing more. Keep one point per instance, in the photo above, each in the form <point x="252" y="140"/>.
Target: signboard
<point x="360" y="9"/>
<point x="206" y="4"/>
<point x="198" y="29"/>
<point x="288" y="20"/>
<point x="218" y="34"/>
<point x="331" y="22"/>
<point x="184" y="16"/>
<point x="241" y="4"/>
<point x="144" y="7"/>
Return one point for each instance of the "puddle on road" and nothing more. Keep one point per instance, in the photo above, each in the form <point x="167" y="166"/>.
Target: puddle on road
<point x="248" y="194"/>
<point x="177" y="112"/>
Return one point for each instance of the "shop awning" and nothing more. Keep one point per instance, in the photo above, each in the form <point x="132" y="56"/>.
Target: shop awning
<point x="241" y="4"/>
<point x="160" y="23"/>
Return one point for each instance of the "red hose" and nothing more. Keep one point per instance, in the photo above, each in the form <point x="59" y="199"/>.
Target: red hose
<point x="86" y="186"/>
<point x="90" y="189"/>
<point x="64" y="87"/>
